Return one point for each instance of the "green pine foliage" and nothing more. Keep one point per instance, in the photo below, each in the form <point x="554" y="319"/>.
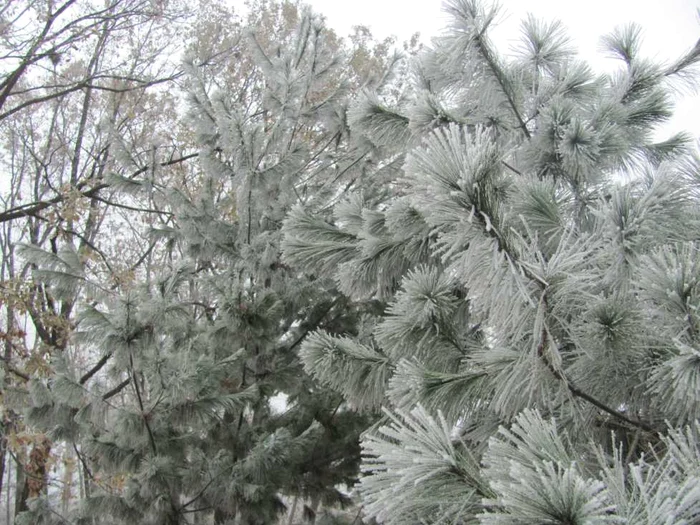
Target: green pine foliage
<point x="537" y="264"/>
<point x="491" y="267"/>
<point x="176" y="417"/>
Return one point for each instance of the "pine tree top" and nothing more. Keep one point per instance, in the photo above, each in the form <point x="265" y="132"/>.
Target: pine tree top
<point x="537" y="262"/>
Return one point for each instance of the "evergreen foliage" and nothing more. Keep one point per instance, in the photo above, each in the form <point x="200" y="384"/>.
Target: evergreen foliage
<point x="491" y="267"/>
<point x="536" y="262"/>
<point x="178" y="421"/>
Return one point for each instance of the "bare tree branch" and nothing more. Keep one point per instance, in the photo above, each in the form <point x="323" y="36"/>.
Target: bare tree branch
<point x="32" y="208"/>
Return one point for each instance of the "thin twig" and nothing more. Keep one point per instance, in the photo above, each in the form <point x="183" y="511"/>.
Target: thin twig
<point x="199" y="494"/>
<point x="121" y="386"/>
<point x="541" y="347"/>
<point x="32" y="208"/>
<point x="511" y="168"/>
<point x="103" y="360"/>
<point x="15" y="371"/>
<point x="135" y="382"/>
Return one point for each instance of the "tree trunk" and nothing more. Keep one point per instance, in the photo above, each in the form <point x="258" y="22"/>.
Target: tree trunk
<point x="8" y="496"/>
<point x="33" y="481"/>
<point x="21" y="489"/>
<point x="293" y="510"/>
<point x="221" y="517"/>
<point x="315" y="504"/>
<point x="3" y="449"/>
<point x="69" y="461"/>
<point x="85" y="476"/>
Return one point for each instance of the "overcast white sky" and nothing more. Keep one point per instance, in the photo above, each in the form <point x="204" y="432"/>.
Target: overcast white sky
<point x="670" y="28"/>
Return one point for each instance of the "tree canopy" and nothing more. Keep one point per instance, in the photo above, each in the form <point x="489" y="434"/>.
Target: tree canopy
<point x="149" y="320"/>
<point x="253" y="272"/>
<point x="536" y="359"/>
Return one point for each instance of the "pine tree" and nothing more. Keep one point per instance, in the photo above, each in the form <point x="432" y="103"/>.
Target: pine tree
<point x="178" y="422"/>
<point x="537" y="360"/>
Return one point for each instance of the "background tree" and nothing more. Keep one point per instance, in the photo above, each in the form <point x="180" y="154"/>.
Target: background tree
<point x="182" y="322"/>
<point x="77" y="88"/>
<point x="539" y="255"/>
